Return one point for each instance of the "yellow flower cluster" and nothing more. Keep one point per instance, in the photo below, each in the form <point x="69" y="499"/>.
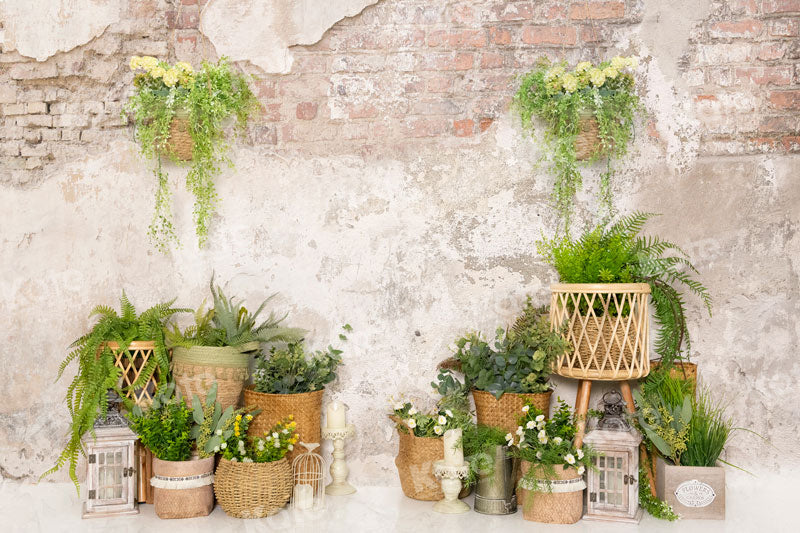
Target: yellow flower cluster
<point x="586" y="74"/>
<point x="181" y="73"/>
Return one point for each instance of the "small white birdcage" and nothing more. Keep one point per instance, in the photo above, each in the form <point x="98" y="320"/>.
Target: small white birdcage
<point x="308" y="493"/>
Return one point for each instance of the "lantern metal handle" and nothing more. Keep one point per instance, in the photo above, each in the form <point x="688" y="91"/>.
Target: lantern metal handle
<point x="629" y="480"/>
<point x="128" y="472"/>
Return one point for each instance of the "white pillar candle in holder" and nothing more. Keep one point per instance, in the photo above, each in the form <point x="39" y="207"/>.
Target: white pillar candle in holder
<point x="453" y="449"/>
<point x="451" y="476"/>
<point x="337" y="416"/>
<point x="339" y="485"/>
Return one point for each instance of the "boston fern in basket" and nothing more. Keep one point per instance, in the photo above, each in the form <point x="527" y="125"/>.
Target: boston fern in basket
<point x="616" y="253"/>
<point x="97" y="374"/>
<point x="206" y="98"/>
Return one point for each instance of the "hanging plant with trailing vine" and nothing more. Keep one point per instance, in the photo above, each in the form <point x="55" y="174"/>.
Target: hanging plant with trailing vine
<point x="562" y="99"/>
<point x="205" y="98"/>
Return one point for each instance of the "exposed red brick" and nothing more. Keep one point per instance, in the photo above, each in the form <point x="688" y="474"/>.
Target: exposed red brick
<point x="485" y="123"/>
<point x="271" y="112"/>
<point x="361" y="111"/>
<point x="765" y="75"/>
<point x="492" y="60"/>
<point x="791" y="143"/>
<point x="785" y="99"/>
<point x="306" y="110"/>
<point x="183" y="19"/>
<point x="784" y="27"/>
<point x="458" y="39"/>
<point x="652" y="132"/>
<point x="739" y="7"/>
<point x="264" y="89"/>
<point x="559" y="35"/>
<point x="454" y="61"/>
<point x="781" y="6"/>
<point x="438" y="106"/>
<point x="597" y="10"/>
<point x="439" y="84"/>
<point x="426" y="127"/>
<point x="509" y="11"/>
<point x="769" y="52"/>
<point x="463" y="128"/>
<point x="779" y="124"/>
<point x="462" y="14"/>
<point x="189" y="2"/>
<point x="739" y="28"/>
<point x="310" y="63"/>
<point x="262" y="134"/>
<point x="499" y="35"/>
<point x="701" y="97"/>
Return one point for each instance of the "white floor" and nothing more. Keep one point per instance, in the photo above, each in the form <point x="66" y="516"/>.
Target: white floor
<point x="753" y="505"/>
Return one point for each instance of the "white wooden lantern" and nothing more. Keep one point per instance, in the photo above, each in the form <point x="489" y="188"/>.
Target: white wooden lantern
<point x="612" y="492"/>
<point x="111" y="476"/>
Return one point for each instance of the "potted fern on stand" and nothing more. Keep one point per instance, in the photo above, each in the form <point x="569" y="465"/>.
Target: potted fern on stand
<point x="218" y="348"/>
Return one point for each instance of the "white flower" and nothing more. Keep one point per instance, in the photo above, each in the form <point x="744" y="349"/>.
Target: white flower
<point x="581" y="470"/>
<point x="449" y="413"/>
<point x="519" y="430"/>
<point x="509" y="437"/>
<point x="530" y="425"/>
<point x="285" y="431"/>
<point x="277" y="444"/>
<point x="441" y="420"/>
<point x="223" y="445"/>
<point x="540" y="425"/>
<point x="290" y="447"/>
<point x="580" y="453"/>
<point x="438" y="430"/>
<point x="412" y="411"/>
<point x="540" y="418"/>
<point x="247" y="460"/>
<point x="539" y="455"/>
<point x="542" y="436"/>
<point x="556" y="440"/>
<point x="411" y="423"/>
<point x="569" y="458"/>
<point x="234" y="460"/>
<point x="216" y="449"/>
<point x="274" y="434"/>
<point x="268" y="438"/>
<point x="521" y="439"/>
<point x="261" y="445"/>
<point x="218" y="432"/>
<point x="398" y="406"/>
<point x="526" y="408"/>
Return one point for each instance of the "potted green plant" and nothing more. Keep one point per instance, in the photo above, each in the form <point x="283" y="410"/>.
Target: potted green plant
<point x="588" y="114"/>
<point x="291" y="380"/>
<point x="254" y="478"/>
<point x="184" y="441"/>
<point x="607" y="277"/>
<point x="492" y="469"/>
<point x="511" y="370"/>
<point x="182" y="114"/>
<point x="551" y="488"/>
<point x="218" y="348"/>
<point x="125" y="353"/>
<point x="688" y="434"/>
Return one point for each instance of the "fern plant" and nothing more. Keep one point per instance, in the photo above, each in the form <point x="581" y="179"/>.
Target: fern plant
<point x="86" y="395"/>
<point x="229" y="323"/>
<point x="616" y="253"/>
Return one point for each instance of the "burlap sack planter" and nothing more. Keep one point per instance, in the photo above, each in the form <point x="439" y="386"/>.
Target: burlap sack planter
<point x="563" y="504"/>
<point x="183" y="489"/>
<point x="306" y="407"/>
<point x="694" y="492"/>
<point x="504" y="412"/>
<point x="253" y="490"/>
<point x="197" y="368"/>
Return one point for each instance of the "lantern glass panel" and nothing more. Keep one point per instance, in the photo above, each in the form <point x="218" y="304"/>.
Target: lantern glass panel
<point x="612" y="492"/>
<point x="111" y="484"/>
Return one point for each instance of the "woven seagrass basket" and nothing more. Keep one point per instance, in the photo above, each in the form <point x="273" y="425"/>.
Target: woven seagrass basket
<point x="179" y="143"/>
<point x="587" y="142"/>
<point x="197" y="368"/>
<point x="253" y="490"/>
<point x="179" y="502"/>
<point x="306" y="407"/>
<point x="551" y="507"/>
<point x="504" y="412"/>
<point x="680" y="370"/>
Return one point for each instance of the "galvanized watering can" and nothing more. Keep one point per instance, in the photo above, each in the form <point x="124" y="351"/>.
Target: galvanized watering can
<point x="494" y="492"/>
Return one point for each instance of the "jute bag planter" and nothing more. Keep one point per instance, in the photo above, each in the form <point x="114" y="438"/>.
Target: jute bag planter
<point x="183" y="489"/>
<point x="562" y="503"/>
<point x="610" y="343"/>
<point x="253" y="490"/>
<point x="179" y="143"/>
<point x="587" y="142"/>
<point x="306" y="407"/>
<point x="694" y="492"/>
<point x="197" y="368"/>
<point x="505" y="411"/>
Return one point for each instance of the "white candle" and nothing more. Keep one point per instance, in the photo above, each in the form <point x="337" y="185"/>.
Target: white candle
<point x="453" y="450"/>
<point x="303" y="496"/>
<point x="336" y="416"/>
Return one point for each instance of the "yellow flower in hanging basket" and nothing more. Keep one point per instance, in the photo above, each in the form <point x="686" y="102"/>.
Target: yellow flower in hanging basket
<point x="597" y="77"/>
<point x="184" y="66"/>
<point x="157" y="72"/>
<point x="619" y="62"/>
<point x="134" y="63"/>
<point x="170" y="77"/>
<point x="610" y="72"/>
<point x="148" y="62"/>
<point x="570" y="83"/>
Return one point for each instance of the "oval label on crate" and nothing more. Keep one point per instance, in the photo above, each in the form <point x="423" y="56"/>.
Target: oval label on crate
<point x="695" y="493"/>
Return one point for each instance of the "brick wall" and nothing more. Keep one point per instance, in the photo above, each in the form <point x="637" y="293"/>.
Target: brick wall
<point x="404" y="72"/>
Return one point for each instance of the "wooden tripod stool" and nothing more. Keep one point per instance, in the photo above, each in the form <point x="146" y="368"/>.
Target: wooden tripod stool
<point x="582" y="405"/>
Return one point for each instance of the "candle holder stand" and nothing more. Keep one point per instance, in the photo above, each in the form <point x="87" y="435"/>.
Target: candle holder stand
<point x="451" y="477"/>
<point x="339" y="485"/>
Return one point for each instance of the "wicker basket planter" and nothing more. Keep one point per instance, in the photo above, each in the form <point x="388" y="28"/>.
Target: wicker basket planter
<point x="504" y="412"/>
<point x="182" y="489"/>
<point x="680" y="370"/>
<point x="253" y="490"/>
<point x="179" y="143"/>
<point x="563" y="505"/>
<point x="587" y="142"/>
<point x="606" y="345"/>
<point x="306" y="407"/>
<point x="195" y="369"/>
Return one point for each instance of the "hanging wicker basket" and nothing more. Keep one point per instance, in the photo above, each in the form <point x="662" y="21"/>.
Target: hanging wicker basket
<point x="179" y="143"/>
<point x="562" y="503"/>
<point x="587" y="142"/>
<point x="680" y="370"/>
<point x="197" y="368"/>
<point x="306" y="407"/>
<point x="182" y="489"/>
<point x="504" y="412"/>
<point x="253" y="490"/>
<point x="608" y="326"/>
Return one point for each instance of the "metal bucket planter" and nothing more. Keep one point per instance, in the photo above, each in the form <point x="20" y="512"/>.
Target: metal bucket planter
<point x="494" y="492"/>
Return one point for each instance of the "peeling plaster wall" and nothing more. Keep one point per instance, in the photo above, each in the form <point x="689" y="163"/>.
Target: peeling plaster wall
<point x="419" y="224"/>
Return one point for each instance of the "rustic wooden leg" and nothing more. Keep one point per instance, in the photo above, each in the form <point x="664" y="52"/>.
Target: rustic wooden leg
<point x="625" y="389"/>
<point x="581" y="409"/>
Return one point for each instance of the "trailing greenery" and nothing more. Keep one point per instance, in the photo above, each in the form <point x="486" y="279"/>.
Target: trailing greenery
<point x="658" y="508"/>
<point x="86" y="395"/>
<point x="291" y="370"/>
<point x="616" y="253"/>
<point x="229" y="323"/>
<point x="207" y="98"/>
<point x="709" y="430"/>
<point x="519" y="360"/>
<point x="166" y="427"/>
<point x="560" y="98"/>
<point x="479" y="443"/>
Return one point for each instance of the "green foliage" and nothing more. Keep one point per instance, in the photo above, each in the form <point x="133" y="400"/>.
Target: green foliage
<point x="709" y="430"/>
<point x="516" y="361"/>
<point x="229" y="323"/>
<point x="272" y="446"/>
<point x="291" y="370"/>
<point x="208" y="98"/>
<point x="479" y="443"/>
<point x="560" y="98"/>
<point x="166" y="427"/>
<point x="212" y="425"/>
<point x="658" y="508"/>
<point x="664" y="414"/>
<point x="454" y="393"/>
<point x="616" y="253"/>
<point x="86" y="395"/>
<point x="429" y="425"/>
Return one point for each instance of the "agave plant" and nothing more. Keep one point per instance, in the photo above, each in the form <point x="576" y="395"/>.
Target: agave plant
<point x="86" y="395"/>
